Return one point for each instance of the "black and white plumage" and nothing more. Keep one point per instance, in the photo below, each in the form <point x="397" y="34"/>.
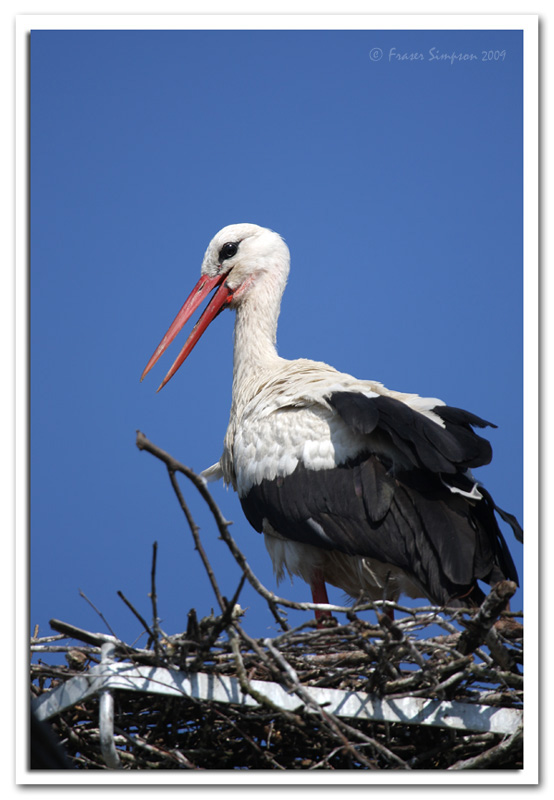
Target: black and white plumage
<point x="351" y="483"/>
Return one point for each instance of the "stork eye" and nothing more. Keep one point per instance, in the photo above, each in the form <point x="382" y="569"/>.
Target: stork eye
<point x="228" y="250"/>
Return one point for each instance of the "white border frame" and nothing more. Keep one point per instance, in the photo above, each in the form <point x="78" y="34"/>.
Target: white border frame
<point x="528" y="23"/>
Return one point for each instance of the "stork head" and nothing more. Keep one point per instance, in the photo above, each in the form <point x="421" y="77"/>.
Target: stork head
<point x="238" y="258"/>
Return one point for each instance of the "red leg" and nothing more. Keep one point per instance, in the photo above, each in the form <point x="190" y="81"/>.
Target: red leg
<point x="319" y="595"/>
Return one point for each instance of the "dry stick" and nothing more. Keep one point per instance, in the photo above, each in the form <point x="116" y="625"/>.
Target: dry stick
<point x="57" y="637"/>
<point x="85" y="637"/>
<point x="73" y="632"/>
<point x="140" y="618"/>
<point x="98" y="639"/>
<point x="447" y="626"/>
<point x="491" y="608"/>
<point x="222" y="524"/>
<point x="490" y="757"/>
<point x="254" y="645"/>
<point x="332" y="753"/>
<point x="397" y="632"/>
<point x="503" y="657"/>
<point x="223" y="622"/>
<point x="230" y="607"/>
<point x="195" y="535"/>
<point x="267" y="662"/>
<point x="102" y="617"/>
<point x="46" y="648"/>
<point x="154" y="599"/>
<point x="247" y="687"/>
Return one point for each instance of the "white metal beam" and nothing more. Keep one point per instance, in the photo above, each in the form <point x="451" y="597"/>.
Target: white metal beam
<point x="224" y="689"/>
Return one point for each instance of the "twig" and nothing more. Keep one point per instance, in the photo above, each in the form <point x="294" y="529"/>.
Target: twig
<point x="102" y="617"/>
<point x="154" y="599"/>
<point x="488" y="758"/>
<point x="139" y="616"/>
<point x="57" y="637"/>
<point x="195" y="534"/>
<point x="247" y="687"/>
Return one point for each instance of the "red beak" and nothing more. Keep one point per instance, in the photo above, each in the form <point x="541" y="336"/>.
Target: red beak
<point x="219" y="301"/>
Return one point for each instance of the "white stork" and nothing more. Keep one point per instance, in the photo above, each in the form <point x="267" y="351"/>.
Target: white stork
<point x="351" y="483"/>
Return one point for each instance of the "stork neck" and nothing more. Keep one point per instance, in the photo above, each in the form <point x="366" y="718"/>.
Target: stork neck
<point x="255" y="352"/>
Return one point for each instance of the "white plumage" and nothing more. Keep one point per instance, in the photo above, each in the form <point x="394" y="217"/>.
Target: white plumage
<point x="351" y="483"/>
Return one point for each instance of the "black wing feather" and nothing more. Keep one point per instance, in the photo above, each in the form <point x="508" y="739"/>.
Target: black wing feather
<point x="368" y="506"/>
<point x="425" y="443"/>
<point x="442" y="540"/>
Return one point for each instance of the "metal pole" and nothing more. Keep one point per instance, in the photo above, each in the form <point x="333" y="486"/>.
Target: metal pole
<point x="106" y="715"/>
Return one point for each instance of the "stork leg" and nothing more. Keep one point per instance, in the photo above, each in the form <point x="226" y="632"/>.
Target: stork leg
<point x="319" y="595"/>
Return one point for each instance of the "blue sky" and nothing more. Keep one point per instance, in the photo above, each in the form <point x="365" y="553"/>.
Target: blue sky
<point x="397" y="185"/>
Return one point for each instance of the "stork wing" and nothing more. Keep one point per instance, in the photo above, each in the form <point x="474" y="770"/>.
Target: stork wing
<point x="422" y="516"/>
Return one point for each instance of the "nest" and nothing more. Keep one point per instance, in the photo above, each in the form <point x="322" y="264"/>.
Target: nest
<point x="474" y="660"/>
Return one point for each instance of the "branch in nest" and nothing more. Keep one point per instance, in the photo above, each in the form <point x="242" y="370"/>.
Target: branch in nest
<point x="480" y="628"/>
